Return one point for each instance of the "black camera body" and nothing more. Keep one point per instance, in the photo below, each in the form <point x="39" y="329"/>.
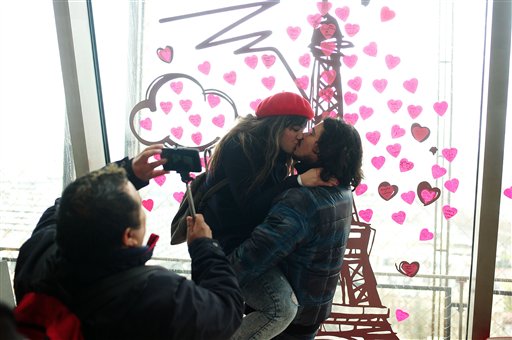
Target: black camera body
<point x="181" y="160"/>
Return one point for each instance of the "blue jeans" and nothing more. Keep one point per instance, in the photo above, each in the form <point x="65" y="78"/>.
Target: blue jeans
<point x="274" y="304"/>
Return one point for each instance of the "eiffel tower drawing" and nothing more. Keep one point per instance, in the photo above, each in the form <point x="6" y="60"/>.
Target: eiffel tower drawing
<point x="357" y="310"/>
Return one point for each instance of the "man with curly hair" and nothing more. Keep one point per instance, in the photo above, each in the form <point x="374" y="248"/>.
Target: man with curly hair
<point x="302" y="241"/>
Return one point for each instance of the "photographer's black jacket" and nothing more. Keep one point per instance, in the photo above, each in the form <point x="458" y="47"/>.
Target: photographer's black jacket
<point x="163" y="306"/>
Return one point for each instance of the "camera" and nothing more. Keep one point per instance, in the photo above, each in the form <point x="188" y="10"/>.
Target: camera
<point x="181" y="160"/>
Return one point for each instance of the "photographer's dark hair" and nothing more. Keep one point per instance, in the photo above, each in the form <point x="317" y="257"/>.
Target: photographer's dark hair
<point x="259" y="139"/>
<point x="340" y="152"/>
<point x="93" y="213"/>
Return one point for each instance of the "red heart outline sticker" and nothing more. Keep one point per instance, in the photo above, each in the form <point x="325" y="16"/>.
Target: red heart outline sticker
<point x="420" y="133"/>
<point x="408" y="269"/>
<point x="387" y="191"/>
<point x="427" y="194"/>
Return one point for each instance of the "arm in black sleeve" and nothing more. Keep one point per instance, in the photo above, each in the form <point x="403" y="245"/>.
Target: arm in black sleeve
<point x="211" y="305"/>
<point x="126" y="163"/>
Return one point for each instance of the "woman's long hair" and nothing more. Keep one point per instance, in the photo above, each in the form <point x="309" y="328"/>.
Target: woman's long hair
<point x="259" y="139"/>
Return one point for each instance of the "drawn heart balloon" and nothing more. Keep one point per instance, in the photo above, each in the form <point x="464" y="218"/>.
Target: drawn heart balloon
<point x="427" y="194"/>
<point x="408" y="269"/>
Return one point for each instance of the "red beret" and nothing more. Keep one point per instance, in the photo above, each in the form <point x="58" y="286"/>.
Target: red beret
<point x="285" y="104"/>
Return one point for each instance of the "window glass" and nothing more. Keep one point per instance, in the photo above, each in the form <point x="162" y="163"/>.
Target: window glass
<point x="32" y="115"/>
<point x="399" y="71"/>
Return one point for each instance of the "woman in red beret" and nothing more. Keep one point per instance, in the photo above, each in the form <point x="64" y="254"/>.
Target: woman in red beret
<point x="255" y="157"/>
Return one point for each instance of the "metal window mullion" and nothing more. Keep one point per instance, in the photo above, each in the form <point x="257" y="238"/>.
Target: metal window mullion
<point x="80" y="87"/>
<point x="490" y="178"/>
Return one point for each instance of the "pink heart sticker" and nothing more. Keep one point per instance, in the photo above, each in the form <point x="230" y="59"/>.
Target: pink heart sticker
<point x="440" y="108"/>
<point x="146" y="124"/>
<point x="411" y="85"/>
<point x="350" y="97"/>
<point x="350" y="118"/>
<point x="350" y="60"/>
<point x="438" y="171"/>
<point x="427" y="195"/>
<point x="186" y="104"/>
<point x="355" y="83"/>
<point x="399" y="217"/>
<point x="305" y="60"/>
<point x="165" y="54"/>
<point x="342" y="13"/>
<point x="148" y="204"/>
<point x="394" y="149"/>
<point x="251" y="61"/>
<point x="213" y="100"/>
<point x="230" y="77"/>
<point x="166" y="107"/>
<point x="204" y="67"/>
<point x="327" y="30"/>
<point x="302" y="82"/>
<point x="361" y="189"/>
<point x="351" y="29"/>
<point x="268" y="60"/>
<point x="449" y="211"/>
<point x="406" y="165"/>
<point x="177" y="86"/>
<point x="401" y="315"/>
<point x="160" y="180"/>
<point x="197" y="138"/>
<point x="365" y="112"/>
<point x="177" y="132"/>
<point x="378" y="162"/>
<point x="326" y="94"/>
<point x="449" y="153"/>
<point x="408" y="196"/>
<point x="293" y="32"/>
<point x="386" y="14"/>
<point x="371" y="49"/>
<point x="323" y="7"/>
<point x="328" y="76"/>
<point x="508" y="192"/>
<point x="314" y="20"/>
<point x="178" y="196"/>
<point x="219" y="120"/>
<point x="394" y="105"/>
<point x="414" y="111"/>
<point x="397" y="131"/>
<point x="380" y="85"/>
<point x="451" y="184"/>
<point x="268" y="82"/>
<point x="392" y="61"/>
<point x="420" y="133"/>
<point x="373" y="137"/>
<point x="426" y="235"/>
<point x="195" y="120"/>
<point x="366" y="214"/>
<point x="254" y="104"/>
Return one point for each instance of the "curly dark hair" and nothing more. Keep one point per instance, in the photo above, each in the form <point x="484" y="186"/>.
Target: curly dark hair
<point x="340" y="152"/>
<point x="93" y="213"/>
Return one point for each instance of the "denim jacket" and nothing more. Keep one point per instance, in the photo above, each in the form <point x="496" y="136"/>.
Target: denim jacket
<point x="305" y="234"/>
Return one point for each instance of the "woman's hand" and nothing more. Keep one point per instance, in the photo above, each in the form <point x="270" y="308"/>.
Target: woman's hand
<point x="311" y="178"/>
